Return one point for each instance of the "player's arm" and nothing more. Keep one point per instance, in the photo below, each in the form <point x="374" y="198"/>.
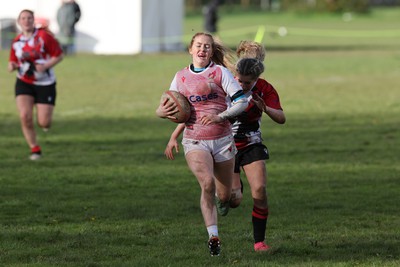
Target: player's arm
<point x="49" y="64"/>
<point x="276" y="115"/>
<point x="239" y="104"/>
<point x="173" y="142"/>
<point x="13" y="61"/>
<point x="270" y="103"/>
<point x="54" y="50"/>
<point x="166" y="108"/>
<point x="12" y="66"/>
<point x="239" y="100"/>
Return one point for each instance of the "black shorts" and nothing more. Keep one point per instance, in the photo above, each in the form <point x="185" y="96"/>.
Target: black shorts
<point x="250" y="154"/>
<point x="43" y="94"/>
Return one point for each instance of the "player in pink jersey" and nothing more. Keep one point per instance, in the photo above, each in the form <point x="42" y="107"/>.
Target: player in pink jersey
<point x="252" y="153"/>
<point x="207" y="136"/>
<point x="34" y="53"/>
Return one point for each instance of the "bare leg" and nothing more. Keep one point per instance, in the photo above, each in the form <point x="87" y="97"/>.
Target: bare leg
<point x="236" y="196"/>
<point x="25" y="104"/>
<point x="224" y="178"/>
<point x="257" y="176"/>
<point x="44" y="115"/>
<point x="201" y="164"/>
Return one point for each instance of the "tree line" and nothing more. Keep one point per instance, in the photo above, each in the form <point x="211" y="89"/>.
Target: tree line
<point x="293" y="5"/>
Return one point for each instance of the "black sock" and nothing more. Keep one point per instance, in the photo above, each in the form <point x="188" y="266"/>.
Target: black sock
<point x="259" y="219"/>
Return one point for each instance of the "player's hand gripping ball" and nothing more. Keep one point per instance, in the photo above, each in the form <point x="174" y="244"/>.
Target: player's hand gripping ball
<point x="182" y="104"/>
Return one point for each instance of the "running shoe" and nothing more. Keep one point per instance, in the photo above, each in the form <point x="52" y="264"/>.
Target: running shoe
<point x="261" y="246"/>
<point x="35" y="156"/>
<point x="36" y="153"/>
<point x="214" y="245"/>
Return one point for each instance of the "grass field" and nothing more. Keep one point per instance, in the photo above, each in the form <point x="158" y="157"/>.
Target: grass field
<point x="104" y="195"/>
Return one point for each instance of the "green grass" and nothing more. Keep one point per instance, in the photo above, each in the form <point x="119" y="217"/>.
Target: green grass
<point x="104" y="195"/>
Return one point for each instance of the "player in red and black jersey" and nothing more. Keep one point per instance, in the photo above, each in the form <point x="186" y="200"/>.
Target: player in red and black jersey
<point x="34" y="53"/>
<point x="252" y="153"/>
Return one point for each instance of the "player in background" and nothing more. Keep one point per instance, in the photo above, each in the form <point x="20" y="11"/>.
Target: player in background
<point x="34" y="53"/>
<point x="252" y="153"/>
<point x="68" y="15"/>
<point x="207" y="135"/>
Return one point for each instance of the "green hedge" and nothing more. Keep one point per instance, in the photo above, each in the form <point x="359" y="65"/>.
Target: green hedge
<point x="361" y="6"/>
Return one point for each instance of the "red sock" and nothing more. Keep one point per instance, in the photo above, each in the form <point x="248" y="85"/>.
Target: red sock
<point x="36" y="149"/>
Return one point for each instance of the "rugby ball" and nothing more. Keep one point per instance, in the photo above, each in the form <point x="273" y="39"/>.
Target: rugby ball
<point x="182" y="104"/>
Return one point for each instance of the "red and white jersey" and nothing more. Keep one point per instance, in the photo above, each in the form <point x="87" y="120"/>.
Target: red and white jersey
<point x="246" y="126"/>
<point x="208" y="92"/>
<point x="37" y="49"/>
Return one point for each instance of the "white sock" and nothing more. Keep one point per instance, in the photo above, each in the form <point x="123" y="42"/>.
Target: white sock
<point x="212" y="230"/>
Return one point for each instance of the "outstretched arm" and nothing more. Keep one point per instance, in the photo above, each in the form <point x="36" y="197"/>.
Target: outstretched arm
<point x="237" y="107"/>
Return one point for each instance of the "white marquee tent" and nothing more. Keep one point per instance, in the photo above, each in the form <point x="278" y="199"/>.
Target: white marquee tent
<point x="114" y="27"/>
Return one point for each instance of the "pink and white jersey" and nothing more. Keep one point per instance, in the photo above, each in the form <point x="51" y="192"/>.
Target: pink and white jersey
<point x="37" y="49"/>
<point x="208" y="93"/>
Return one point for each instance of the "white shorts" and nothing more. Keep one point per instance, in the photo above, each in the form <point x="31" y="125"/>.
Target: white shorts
<point x="221" y="149"/>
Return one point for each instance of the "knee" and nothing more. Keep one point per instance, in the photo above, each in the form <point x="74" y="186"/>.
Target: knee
<point x="26" y="119"/>
<point x="236" y="198"/>
<point x="224" y="196"/>
<point x="259" y="192"/>
<point x="44" y="121"/>
<point x="45" y="124"/>
<point x="208" y="187"/>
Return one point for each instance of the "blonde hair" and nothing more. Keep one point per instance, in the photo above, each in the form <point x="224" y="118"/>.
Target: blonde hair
<point x="251" y="56"/>
<point x="221" y="55"/>
<point x="250" y="49"/>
